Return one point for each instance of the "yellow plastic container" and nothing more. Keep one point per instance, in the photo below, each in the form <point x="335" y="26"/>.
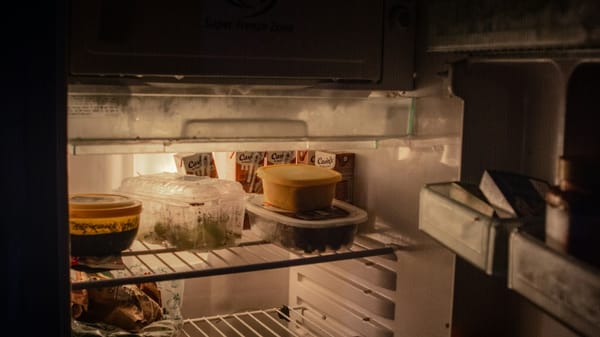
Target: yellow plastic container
<point x="298" y="187"/>
<point x="102" y="224"/>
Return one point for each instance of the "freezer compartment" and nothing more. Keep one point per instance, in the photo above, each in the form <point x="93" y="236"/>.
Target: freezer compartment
<point x="215" y="41"/>
<point x="187" y="212"/>
<point x="169" y="119"/>
<point x="480" y="239"/>
<point x="563" y="286"/>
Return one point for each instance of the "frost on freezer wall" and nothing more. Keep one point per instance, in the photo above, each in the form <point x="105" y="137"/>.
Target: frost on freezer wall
<point x="94" y="116"/>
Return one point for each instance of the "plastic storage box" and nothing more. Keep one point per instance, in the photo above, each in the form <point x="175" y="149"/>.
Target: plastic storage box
<point x="298" y="187"/>
<point x="187" y="212"/>
<point x="306" y="232"/>
<point x="480" y="239"/>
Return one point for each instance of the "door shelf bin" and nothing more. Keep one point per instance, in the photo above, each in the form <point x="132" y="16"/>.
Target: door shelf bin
<point x="563" y="286"/>
<point x="479" y="239"/>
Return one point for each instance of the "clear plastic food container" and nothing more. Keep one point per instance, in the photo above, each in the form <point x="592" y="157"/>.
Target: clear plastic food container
<point x="306" y="231"/>
<point x="186" y="211"/>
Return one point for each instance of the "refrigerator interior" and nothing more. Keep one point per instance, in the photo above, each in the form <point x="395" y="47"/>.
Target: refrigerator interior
<point x="401" y="139"/>
<point x="517" y="112"/>
<point x="372" y="296"/>
<point x="525" y="103"/>
<point x="465" y="115"/>
<point x="301" y="286"/>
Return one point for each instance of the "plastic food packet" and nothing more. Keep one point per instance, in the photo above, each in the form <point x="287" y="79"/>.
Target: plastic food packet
<point x="146" y="309"/>
<point x="199" y="164"/>
<point x="241" y="167"/>
<point x="95" y="263"/>
<point x="130" y="307"/>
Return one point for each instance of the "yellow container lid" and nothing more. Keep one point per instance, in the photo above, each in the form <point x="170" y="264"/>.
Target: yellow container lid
<point x="98" y="205"/>
<point x="298" y="175"/>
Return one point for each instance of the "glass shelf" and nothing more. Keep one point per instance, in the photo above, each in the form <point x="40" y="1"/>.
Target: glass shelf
<point x="560" y="284"/>
<point x="89" y="146"/>
<point x="145" y="263"/>
<point x="125" y="146"/>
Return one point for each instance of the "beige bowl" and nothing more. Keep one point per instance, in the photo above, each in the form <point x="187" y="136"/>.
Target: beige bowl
<point x="102" y="224"/>
<point x="298" y="187"/>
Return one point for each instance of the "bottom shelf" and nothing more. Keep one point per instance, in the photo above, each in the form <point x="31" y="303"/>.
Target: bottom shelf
<point x="273" y="322"/>
<point x="277" y="322"/>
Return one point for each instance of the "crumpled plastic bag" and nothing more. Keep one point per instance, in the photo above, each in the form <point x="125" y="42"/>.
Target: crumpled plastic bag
<point x="147" y="309"/>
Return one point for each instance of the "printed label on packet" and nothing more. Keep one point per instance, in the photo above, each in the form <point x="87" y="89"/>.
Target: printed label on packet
<point x="325" y="159"/>
<point x="280" y="157"/>
<point x="305" y="157"/>
<point x="199" y="164"/>
<point x="245" y="171"/>
<point x="343" y="162"/>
